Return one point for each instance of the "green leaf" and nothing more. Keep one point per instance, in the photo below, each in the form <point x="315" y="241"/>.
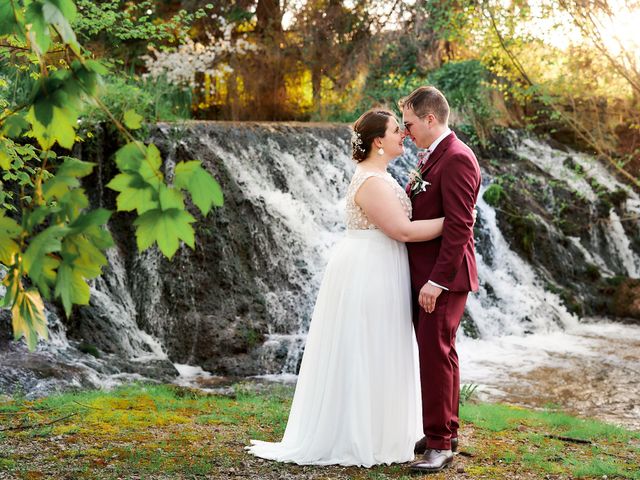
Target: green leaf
<point x="139" y="199"/>
<point x="129" y="157"/>
<point x="28" y="317"/>
<point x="71" y="288"/>
<point x="60" y="14"/>
<point x="6" y="154"/>
<point x="86" y="258"/>
<point x="48" y="275"/>
<point x="66" y="178"/>
<point x="9" y="230"/>
<point x="58" y="186"/>
<point x="150" y="168"/>
<point x="96" y="66"/>
<point x="205" y="191"/>
<point x="96" y="217"/>
<point x="12" y="282"/>
<point x="61" y="129"/>
<point x="8" y="23"/>
<point x="153" y="156"/>
<point x="47" y="241"/>
<point x="14" y="125"/>
<point x="132" y="120"/>
<point x="166" y="228"/>
<point x="37" y="26"/>
<point x="170" y="198"/>
<point x="36" y="217"/>
<point x="72" y="202"/>
<point x="74" y="167"/>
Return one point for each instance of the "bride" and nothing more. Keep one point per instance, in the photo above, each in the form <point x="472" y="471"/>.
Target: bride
<point x="357" y="398"/>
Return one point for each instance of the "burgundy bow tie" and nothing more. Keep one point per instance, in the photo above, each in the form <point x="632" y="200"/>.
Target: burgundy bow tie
<point x="423" y="157"/>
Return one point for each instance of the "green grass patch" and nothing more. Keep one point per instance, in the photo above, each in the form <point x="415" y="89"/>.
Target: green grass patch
<point x="163" y="431"/>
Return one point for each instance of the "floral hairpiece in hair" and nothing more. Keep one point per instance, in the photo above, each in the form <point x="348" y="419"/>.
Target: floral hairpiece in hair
<point x="356" y="141"/>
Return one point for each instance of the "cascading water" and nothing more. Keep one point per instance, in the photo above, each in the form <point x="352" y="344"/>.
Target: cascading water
<point x="240" y="303"/>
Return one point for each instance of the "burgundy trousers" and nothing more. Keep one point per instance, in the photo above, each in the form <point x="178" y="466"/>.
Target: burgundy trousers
<point x="439" y="369"/>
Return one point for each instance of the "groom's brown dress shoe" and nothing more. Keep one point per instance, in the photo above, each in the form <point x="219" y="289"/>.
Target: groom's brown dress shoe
<point x="432" y="461"/>
<point x="421" y="445"/>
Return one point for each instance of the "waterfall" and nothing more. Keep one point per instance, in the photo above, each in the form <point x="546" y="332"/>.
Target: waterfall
<point x="590" y="179"/>
<point x="240" y="302"/>
<point x="511" y="299"/>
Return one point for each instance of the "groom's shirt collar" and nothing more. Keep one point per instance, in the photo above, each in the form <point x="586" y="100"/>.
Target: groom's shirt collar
<point x="437" y="141"/>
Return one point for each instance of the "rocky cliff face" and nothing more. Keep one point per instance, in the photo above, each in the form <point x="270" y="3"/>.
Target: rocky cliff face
<point x="555" y="235"/>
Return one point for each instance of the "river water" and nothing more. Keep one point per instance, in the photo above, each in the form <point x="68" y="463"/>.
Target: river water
<point x="592" y="370"/>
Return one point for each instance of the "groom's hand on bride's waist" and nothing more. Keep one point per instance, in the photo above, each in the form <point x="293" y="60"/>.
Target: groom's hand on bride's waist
<point x="428" y="295"/>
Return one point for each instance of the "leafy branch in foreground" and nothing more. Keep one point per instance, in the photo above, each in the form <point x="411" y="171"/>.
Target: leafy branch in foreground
<point x="51" y="243"/>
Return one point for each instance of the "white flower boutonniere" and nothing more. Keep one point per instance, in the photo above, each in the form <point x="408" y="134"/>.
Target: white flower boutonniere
<point x="418" y="184"/>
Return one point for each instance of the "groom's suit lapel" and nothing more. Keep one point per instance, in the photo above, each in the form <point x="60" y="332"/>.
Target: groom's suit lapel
<point x="438" y="153"/>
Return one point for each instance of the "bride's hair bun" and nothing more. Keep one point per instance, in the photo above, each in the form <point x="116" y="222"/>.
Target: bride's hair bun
<point x="371" y="125"/>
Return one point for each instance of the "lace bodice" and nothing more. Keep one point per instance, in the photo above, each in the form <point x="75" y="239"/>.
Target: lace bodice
<point x="356" y="218"/>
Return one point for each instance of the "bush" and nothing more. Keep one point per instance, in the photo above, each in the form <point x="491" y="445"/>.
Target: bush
<point x="155" y="100"/>
<point x="464" y="85"/>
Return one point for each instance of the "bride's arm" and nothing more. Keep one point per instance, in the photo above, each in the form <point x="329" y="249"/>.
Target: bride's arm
<point x="382" y="207"/>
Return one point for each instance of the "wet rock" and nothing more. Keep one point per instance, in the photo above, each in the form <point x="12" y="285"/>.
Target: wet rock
<point x="626" y="300"/>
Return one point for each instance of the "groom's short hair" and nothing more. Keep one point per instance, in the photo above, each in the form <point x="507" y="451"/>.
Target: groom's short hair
<point x="425" y="100"/>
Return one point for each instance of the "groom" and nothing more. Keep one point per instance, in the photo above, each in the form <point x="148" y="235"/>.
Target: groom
<point x="443" y="271"/>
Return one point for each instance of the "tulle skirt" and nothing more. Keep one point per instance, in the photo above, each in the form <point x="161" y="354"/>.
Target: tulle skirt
<point x="357" y="398"/>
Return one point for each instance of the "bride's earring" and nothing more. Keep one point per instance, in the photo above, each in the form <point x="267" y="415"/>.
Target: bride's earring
<point x="381" y="151"/>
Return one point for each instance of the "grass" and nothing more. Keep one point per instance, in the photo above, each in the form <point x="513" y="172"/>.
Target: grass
<point x="166" y="432"/>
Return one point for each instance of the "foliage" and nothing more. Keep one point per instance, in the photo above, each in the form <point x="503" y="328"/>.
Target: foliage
<point x="127" y="29"/>
<point x="152" y="99"/>
<point x="464" y="83"/>
<point x="466" y="392"/>
<point x="51" y="243"/>
<point x="493" y="194"/>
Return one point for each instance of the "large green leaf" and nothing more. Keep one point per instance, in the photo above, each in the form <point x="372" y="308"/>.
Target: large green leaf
<point x="129" y="157"/>
<point x="150" y="168"/>
<point x="139" y="199"/>
<point x="47" y="241"/>
<point x="38" y="27"/>
<point x="71" y="288"/>
<point x="47" y="275"/>
<point x="205" y="191"/>
<point x="170" y="197"/>
<point x="43" y="14"/>
<point x="60" y="14"/>
<point x="61" y="129"/>
<point x="166" y="228"/>
<point x="73" y="167"/>
<point x="10" y="19"/>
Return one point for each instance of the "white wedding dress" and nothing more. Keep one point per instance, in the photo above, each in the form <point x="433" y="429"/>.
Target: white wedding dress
<point x="357" y="398"/>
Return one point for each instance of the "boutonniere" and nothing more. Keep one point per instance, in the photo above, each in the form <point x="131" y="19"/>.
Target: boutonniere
<point x="418" y="184"/>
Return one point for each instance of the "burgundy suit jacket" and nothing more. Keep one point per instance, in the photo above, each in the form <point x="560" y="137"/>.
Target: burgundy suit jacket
<point x="449" y="260"/>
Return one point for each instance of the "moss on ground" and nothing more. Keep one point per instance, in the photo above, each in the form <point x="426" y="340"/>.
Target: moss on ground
<point x="149" y="431"/>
